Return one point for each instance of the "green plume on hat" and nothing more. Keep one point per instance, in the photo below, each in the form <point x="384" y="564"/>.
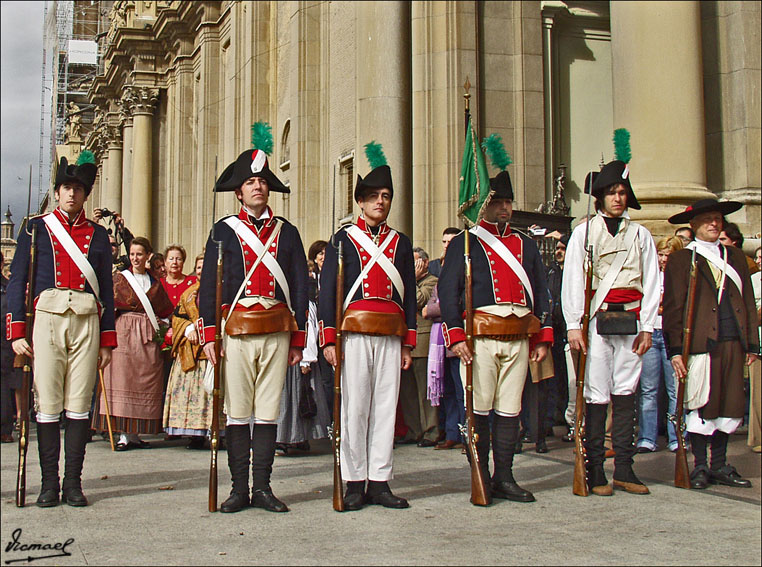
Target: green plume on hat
<point x="622" y="150"/>
<point x="375" y="154"/>
<point x="262" y="137"/>
<point x="86" y="156"/>
<point x="495" y="149"/>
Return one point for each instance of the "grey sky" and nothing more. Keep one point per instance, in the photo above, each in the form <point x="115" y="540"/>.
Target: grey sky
<point x="20" y="84"/>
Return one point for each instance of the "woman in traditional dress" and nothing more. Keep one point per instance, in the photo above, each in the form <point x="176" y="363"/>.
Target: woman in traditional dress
<point x="176" y="283"/>
<point x="304" y="405"/>
<point x="133" y="380"/>
<point x="187" y="406"/>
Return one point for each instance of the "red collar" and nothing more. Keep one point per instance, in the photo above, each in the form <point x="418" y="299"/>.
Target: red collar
<point x="493" y="228"/>
<point x="64" y="218"/>
<point x="363" y="225"/>
<point x="244" y="215"/>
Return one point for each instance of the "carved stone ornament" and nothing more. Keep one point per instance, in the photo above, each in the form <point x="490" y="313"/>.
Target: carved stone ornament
<point x="142" y="100"/>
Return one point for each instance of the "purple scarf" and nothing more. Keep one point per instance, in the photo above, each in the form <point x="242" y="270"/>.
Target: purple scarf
<point x="435" y="373"/>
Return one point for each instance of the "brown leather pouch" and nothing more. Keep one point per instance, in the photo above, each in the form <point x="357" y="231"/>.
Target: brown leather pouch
<point x="372" y="323"/>
<point x="616" y="321"/>
<point x="507" y="328"/>
<point x="260" y="322"/>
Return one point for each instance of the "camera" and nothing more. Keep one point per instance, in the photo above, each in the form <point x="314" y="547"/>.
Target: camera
<point x="122" y="263"/>
<point x="106" y="213"/>
<point x="538" y="231"/>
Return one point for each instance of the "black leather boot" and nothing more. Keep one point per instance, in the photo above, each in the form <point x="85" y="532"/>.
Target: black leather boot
<point x="700" y="473"/>
<point x="75" y="441"/>
<point x="595" y="434"/>
<point x="721" y="472"/>
<point x="263" y="455"/>
<point x="354" y="498"/>
<point x="505" y="434"/>
<point x="623" y="442"/>
<point x="380" y="493"/>
<point x="49" y="448"/>
<point x="239" y="445"/>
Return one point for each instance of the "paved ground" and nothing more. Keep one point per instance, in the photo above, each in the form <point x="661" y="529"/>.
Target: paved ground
<point x="149" y="507"/>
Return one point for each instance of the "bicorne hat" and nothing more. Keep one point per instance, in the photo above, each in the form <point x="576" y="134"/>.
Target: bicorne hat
<point x="82" y="172"/>
<point x="500" y="185"/>
<point x="252" y="163"/>
<point x="380" y="175"/>
<point x="705" y="206"/>
<point x="613" y="173"/>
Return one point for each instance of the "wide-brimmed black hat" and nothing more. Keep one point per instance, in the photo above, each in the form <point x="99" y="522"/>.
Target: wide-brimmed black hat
<point x="378" y="178"/>
<point x="83" y="173"/>
<point x="588" y="183"/>
<point x="613" y="173"/>
<point x="705" y="206"/>
<point x="251" y="163"/>
<point x="501" y="186"/>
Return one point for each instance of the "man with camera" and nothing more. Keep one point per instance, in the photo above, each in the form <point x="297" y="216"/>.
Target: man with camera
<point x="122" y="236"/>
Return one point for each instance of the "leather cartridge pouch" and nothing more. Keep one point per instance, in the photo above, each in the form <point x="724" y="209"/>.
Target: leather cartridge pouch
<point x="373" y="323"/>
<point x="616" y="321"/>
<point x="260" y="322"/>
<point x="509" y="328"/>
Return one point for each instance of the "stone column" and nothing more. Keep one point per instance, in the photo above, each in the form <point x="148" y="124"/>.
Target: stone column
<point x="383" y="97"/>
<point x="126" y="123"/>
<point x="112" y="196"/>
<point x="141" y="200"/>
<point x="658" y="97"/>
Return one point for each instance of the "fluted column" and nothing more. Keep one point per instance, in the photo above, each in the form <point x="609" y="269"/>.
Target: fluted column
<point x="141" y="200"/>
<point x="112" y="196"/>
<point x="658" y="97"/>
<point x="383" y="97"/>
<point x="126" y="123"/>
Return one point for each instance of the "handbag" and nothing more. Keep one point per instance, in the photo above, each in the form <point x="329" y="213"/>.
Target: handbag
<point x="307" y="404"/>
<point x="616" y="321"/>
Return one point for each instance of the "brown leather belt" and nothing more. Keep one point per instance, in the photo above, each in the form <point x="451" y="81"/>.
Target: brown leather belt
<point x="511" y="328"/>
<point x="261" y="322"/>
<point x="373" y="323"/>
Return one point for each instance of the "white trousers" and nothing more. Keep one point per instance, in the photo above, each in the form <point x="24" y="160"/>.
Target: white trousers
<point x="370" y="383"/>
<point x="612" y="367"/>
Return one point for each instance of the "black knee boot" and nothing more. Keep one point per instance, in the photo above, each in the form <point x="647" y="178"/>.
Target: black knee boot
<point x="623" y="442"/>
<point x="75" y="441"/>
<point x="481" y="427"/>
<point x="239" y="445"/>
<point x="354" y="498"/>
<point x="595" y="435"/>
<point x="505" y="433"/>
<point x="700" y="472"/>
<point x="721" y="472"/>
<point x="49" y="448"/>
<point x="263" y="455"/>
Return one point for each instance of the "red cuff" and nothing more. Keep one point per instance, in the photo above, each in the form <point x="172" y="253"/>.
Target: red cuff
<point x="410" y="338"/>
<point x="544" y="336"/>
<point x="298" y="339"/>
<point x="326" y="335"/>
<point x="207" y="333"/>
<point x="14" y="329"/>
<point x="453" y="336"/>
<point x="108" y="339"/>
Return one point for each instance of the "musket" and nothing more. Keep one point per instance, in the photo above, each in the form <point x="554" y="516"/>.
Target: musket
<point x="580" y="487"/>
<point x="215" y="428"/>
<point x="27" y="362"/>
<point x="108" y="413"/>
<point x="338" y="496"/>
<point x="682" y="477"/>
<point x="480" y="496"/>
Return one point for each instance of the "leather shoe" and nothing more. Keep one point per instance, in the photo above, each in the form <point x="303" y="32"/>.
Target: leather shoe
<point x="196" y="442"/>
<point x="122" y="446"/>
<point x="507" y="490"/>
<point x="449" y="444"/>
<point x="541" y="446"/>
<point x="700" y="478"/>
<point x="267" y="500"/>
<point x="643" y="449"/>
<point x="387" y="500"/>
<point x="353" y="501"/>
<point x="73" y="497"/>
<point x="139" y="444"/>
<point x="235" y="502"/>
<point x="427" y="443"/>
<point x="48" y="498"/>
<point x="405" y="441"/>
<point x="728" y="475"/>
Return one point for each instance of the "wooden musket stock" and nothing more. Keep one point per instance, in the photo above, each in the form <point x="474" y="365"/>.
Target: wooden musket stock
<point x="580" y="472"/>
<point x="338" y="495"/>
<point x="682" y="477"/>
<point x="26" y="383"/>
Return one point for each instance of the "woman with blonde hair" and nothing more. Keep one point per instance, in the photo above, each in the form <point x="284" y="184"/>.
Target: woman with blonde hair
<point x="657" y="369"/>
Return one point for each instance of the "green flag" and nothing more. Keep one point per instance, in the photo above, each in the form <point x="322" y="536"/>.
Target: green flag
<point x="474" y="181"/>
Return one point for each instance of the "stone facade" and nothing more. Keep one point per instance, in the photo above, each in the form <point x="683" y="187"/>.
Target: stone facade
<point x="182" y="83"/>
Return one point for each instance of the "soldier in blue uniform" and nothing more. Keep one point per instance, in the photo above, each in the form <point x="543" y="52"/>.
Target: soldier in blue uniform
<point x="378" y="334"/>
<point x="74" y="324"/>
<point x="509" y="296"/>
<point x="264" y="298"/>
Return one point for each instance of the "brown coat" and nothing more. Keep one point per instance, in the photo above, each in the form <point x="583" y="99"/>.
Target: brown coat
<point x="726" y="396"/>
<point x="424" y="288"/>
<point x="186" y="313"/>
